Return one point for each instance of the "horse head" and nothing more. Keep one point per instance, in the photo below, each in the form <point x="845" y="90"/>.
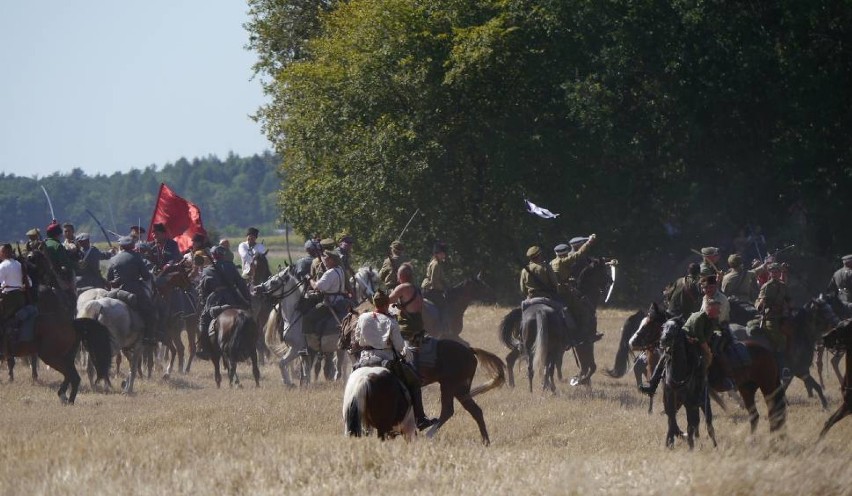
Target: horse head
<point x="820" y="315"/>
<point x="595" y="279"/>
<point x="473" y="288"/>
<point x="367" y="280"/>
<point x="259" y="268"/>
<point x="650" y="329"/>
<point x="839" y="336"/>
<point x="285" y="286"/>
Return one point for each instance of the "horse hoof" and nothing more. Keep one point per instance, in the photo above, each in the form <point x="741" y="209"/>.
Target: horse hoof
<point x="166" y="376"/>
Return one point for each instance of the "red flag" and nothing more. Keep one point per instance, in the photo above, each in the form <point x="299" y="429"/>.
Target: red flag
<point x="182" y="218"/>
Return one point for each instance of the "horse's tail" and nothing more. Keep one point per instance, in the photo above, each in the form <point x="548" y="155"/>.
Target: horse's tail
<point x="96" y="338"/>
<point x="540" y="347"/>
<point x="496" y="370"/>
<point x="355" y="401"/>
<point x="509" y="328"/>
<point x="270" y="331"/>
<point x="245" y="336"/>
<point x="620" y="366"/>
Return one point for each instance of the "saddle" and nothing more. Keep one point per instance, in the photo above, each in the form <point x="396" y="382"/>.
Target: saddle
<point x="127" y="297"/>
<point x="21" y="327"/>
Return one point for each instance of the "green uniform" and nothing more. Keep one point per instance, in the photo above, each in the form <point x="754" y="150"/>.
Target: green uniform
<point x="740" y="283"/>
<point x="685" y="297"/>
<point x="563" y="265"/>
<point x="317" y="269"/>
<point x="538" y="280"/>
<point x="579" y="307"/>
<point x="700" y="326"/>
<point x="772" y="301"/>
<point x="61" y="261"/>
<point x="436" y="278"/>
<point x="389" y="268"/>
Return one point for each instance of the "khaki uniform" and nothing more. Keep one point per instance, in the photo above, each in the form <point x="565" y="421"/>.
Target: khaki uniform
<point x="773" y="300"/>
<point x="566" y="288"/>
<point x="538" y="280"/>
<point x="436" y="278"/>
<point x="701" y="327"/>
<point x="389" y="268"/>
<point x="317" y="269"/>
<point x="740" y="283"/>
<point x="685" y="297"/>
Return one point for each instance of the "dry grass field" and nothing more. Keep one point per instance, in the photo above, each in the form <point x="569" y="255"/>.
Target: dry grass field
<point x="184" y="436"/>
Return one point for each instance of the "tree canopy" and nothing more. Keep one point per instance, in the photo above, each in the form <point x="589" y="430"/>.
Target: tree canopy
<point x="659" y="125"/>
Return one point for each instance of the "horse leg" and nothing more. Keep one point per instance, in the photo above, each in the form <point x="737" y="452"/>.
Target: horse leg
<point x="639" y="369"/>
<point x="328" y="368"/>
<point x="217" y="374"/>
<point x="255" y="371"/>
<point x="776" y="404"/>
<point x="135" y="366"/>
<point x="747" y="393"/>
<point x="34" y="367"/>
<point x="447" y="409"/>
<point x="670" y="408"/>
<point x="530" y="371"/>
<point x="510" y="366"/>
<point x="812" y="384"/>
<point x="171" y="351"/>
<point x="835" y="364"/>
<point x="72" y="374"/>
<point x="191" y="335"/>
<point x="820" y="356"/>
<point x="842" y="411"/>
<point x="10" y="363"/>
<point x="476" y="412"/>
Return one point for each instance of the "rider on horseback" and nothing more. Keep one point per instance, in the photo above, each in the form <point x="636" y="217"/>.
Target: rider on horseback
<point x="165" y="250"/>
<point x="739" y="282"/>
<point x="392" y="264"/>
<point x="332" y="287"/>
<point x="378" y="335"/>
<point x="773" y="302"/>
<point x="567" y="290"/>
<point x="539" y="281"/>
<point x="61" y="277"/>
<point x="13" y="284"/>
<point x="126" y="272"/>
<point x="89" y="265"/>
<point x="435" y="284"/>
<point x="407" y="297"/>
<point x="249" y="249"/>
<point x="841" y="285"/>
<point x="220" y="285"/>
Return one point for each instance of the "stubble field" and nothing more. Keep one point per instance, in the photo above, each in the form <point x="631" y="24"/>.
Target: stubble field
<point x="184" y="436"/>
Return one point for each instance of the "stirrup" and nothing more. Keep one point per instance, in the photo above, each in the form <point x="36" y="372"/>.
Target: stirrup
<point x="425" y="423"/>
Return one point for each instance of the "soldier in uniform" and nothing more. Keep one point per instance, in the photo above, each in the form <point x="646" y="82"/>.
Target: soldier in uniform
<point x="12" y="286"/>
<point x="408" y="299"/>
<point x="435" y="284"/>
<point x="165" y="250"/>
<point x="710" y="257"/>
<point x="710" y="292"/>
<point x="567" y="290"/>
<point x="378" y="335"/>
<point x="69" y="240"/>
<point x="577" y="260"/>
<point x="62" y="277"/>
<point x="317" y="266"/>
<point x="33" y="239"/>
<point x="303" y="265"/>
<point x="773" y="303"/>
<point x="684" y="297"/>
<point x="89" y="265"/>
<point x="391" y="265"/>
<point x="127" y="271"/>
<point x="332" y="287"/>
<point x="344" y="249"/>
<point x="738" y="282"/>
<point x="537" y="278"/>
<point x="221" y="284"/>
<point x="225" y="243"/>
<point x="841" y="285"/>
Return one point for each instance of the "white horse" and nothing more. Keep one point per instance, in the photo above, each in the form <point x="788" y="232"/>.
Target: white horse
<point x="125" y="329"/>
<point x="366" y="283"/>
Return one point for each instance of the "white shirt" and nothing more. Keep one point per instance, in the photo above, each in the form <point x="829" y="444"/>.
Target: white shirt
<point x="332" y="283"/>
<point x="378" y="331"/>
<point x="11" y="275"/>
<point x="247" y="254"/>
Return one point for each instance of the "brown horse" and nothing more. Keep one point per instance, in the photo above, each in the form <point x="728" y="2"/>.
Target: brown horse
<point x="840" y="339"/>
<point x="374" y="397"/>
<point x="761" y="373"/>
<point x="235" y="341"/>
<point x="459" y="298"/>
<point x="454" y="369"/>
<point x="173" y="288"/>
<point x="644" y="364"/>
<point x="57" y="341"/>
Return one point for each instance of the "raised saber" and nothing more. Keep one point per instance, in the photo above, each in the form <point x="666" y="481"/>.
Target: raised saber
<point x="100" y="225"/>
<point x="49" y="203"/>
<point x="399" y="238"/>
<point x="612" y="275"/>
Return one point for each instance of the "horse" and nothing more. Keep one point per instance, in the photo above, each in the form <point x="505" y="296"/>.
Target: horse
<point x="259" y="272"/>
<point x="235" y="340"/>
<point x="805" y="328"/>
<point x="176" y="288"/>
<point x="742" y="311"/>
<point x="374" y="397"/>
<point x="761" y="372"/>
<point x="836" y="354"/>
<point x="286" y="340"/>
<point x="840" y="338"/>
<point x="453" y="369"/>
<point x="366" y="283"/>
<point x="126" y="328"/>
<point x="459" y="298"/>
<point x="57" y="341"/>
<point x="685" y="385"/>
<point x="644" y="364"/>
<point x="593" y="280"/>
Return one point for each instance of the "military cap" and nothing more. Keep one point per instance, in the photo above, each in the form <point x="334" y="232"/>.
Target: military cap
<point x="310" y="245"/>
<point x="252" y="231"/>
<point x="327" y="244"/>
<point x="33" y="232"/>
<point x="82" y="237"/>
<point x="707" y="270"/>
<point x="397" y="246"/>
<point x="533" y="251"/>
<point x="331" y="254"/>
<point x="219" y="252"/>
<point x="846" y="258"/>
<point x="125" y="241"/>
<point x="139" y="229"/>
<point x="345" y="238"/>
<point x="561" y="249"/>
<point x="709" y="251"/>
<point x="380" y="299"/>
<point x="735" y="261"/>
<point x="578" y="240"/>
<point x="439" y="247"/>
<point x="53" y="228"/>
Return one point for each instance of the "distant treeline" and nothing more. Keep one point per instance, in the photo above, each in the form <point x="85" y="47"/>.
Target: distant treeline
<point x="232" y="193"/>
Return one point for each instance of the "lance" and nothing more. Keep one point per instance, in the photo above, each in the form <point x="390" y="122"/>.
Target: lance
<point x="49" y="203"/>
<point x="287" y="241"/>
<point x="399" y="238"/>
<point x="99" y="225"/>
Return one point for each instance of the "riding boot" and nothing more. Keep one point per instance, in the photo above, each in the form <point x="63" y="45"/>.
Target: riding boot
<point x="422" y="421"/>
<point x="656" y="377"/>
<point x="203" y="337"/>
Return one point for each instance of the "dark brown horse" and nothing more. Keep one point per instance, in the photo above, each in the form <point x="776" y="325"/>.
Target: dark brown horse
<point x="644" y="364"/>
<point x="235" y="341"/>
<point x="57" y="341"/>
<point x="454" y="369"/>
<point x="459" y="298"/>
<point x="375" y="398"/>
<point x="840" y="339"/>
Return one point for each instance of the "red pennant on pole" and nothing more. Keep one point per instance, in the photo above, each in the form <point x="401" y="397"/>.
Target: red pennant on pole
<point x="182" y="218"/>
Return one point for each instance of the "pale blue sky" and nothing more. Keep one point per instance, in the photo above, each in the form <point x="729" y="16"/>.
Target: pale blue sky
<point x="113" y="85"/>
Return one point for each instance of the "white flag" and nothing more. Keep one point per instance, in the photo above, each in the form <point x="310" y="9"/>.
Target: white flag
<point x="541" y="212"/>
